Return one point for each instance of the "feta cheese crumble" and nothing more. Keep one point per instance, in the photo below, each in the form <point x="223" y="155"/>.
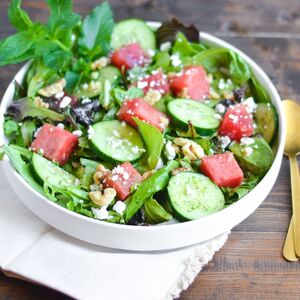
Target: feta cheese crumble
<point x="234" y="118"/>
<point x="142" y="84"/>
<point x="245" y="141"/>
<point x="90" y="132"/>
<point x="85" y="86"/>
<point x="250" y="105"/>
<point x="77" y="133"/>
<point x="60" y="125"/>
<point x="86" y="100"/>
<point x="119" y="207"/>
<point x="165" y="46"/>
<point x="37" y="132"/>
<point x="224" y="141"/>
<point x="220" y="108"/>
<point x="175" y="60"/>
<point x="160" y="164"/>
<point x="170" y="151"/>
<point x="151" y="52"/>
<point x="135" y="149"/>
<point x="100" y="213"/>
<point x="217" y="116"/>
<point x="65" y="102"/>
<point x="95" y="75"/>
<point x="248" y="151"/>
<point x="59" y="95"/>
<point x="221" y="84"/>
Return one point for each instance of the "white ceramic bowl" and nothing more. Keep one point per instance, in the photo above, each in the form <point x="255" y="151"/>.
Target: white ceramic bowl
<point x="146" y="238"/>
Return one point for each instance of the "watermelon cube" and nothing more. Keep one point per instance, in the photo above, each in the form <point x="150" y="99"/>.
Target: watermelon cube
<point x="222" y="169"/>
<point x="129" y="56"/>
<point x="191" y="83"/>
<point x="142" y="110"/>
<point x="121" y="178"/>
<point x="237" y="123"/>
<point x="54" y="143"/>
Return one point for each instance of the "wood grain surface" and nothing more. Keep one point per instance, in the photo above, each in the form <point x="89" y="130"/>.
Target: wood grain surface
<point x="250" y="266"/>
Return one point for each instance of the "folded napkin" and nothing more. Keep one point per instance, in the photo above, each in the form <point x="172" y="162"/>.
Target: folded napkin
<point x="32" y="250"/>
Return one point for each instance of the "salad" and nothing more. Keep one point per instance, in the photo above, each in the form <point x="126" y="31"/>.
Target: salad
<point x="131" y="124"/>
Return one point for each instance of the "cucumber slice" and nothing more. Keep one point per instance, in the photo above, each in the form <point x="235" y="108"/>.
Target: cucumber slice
<point x="267" y="122"/>
<point x="49" y="173"/>
<point x="193" y="195"/>
<point x="183" y="111"/>
<point x="109" y="73"/>
<point x="114" y="142"/>
<point x="133" y="31"/>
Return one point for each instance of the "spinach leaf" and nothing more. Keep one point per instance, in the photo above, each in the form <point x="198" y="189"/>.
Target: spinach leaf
<point x="183" y="47"/>
<point x="259" y="93"/>
<point x="96" y="31"/>
<point x="154" y="142"/>
<point x="26" y="108"/>
<point x="154" y="212"/>
<point x="161" y="60"/>
<point x="22" y="168"/>
<point x="214" y="59"/>
<point x="17" y="16"/>
<point x="157" y="182"/>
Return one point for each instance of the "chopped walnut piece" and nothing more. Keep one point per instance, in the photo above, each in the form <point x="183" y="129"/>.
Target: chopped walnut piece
<point x="38" y="101"/>
<point x="54" y="88"/>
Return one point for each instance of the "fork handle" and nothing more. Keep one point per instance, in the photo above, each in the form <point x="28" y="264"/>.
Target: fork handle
<point x="289" y="245"/>
<point x="295" y="182"/>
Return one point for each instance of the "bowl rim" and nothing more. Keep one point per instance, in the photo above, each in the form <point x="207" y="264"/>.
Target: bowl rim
<point x="211" y="39"/>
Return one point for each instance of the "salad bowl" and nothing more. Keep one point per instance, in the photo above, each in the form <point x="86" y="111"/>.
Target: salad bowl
<point x="159" y="237"/>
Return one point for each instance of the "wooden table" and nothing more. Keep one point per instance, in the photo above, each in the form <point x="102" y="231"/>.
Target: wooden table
<point x="250" y="266"/>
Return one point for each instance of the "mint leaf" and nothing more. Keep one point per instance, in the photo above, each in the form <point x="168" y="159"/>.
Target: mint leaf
<point x="96" y="30"/>
<point x="61" y="20"/>
<point x="57" y="60"/>
<point x="20" y="46"/>
<point x="17" y="16"/>
<point x="72" y="79"/>
<point x="16" y="48"/>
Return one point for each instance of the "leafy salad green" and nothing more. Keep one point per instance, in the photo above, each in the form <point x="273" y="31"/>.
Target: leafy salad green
<point x="131" y="124"/>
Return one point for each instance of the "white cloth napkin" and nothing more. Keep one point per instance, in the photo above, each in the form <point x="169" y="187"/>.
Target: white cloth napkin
<point x="32" y="250"/>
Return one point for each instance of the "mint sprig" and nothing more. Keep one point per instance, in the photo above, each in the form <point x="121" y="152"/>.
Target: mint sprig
<point x="63" y="44"/>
